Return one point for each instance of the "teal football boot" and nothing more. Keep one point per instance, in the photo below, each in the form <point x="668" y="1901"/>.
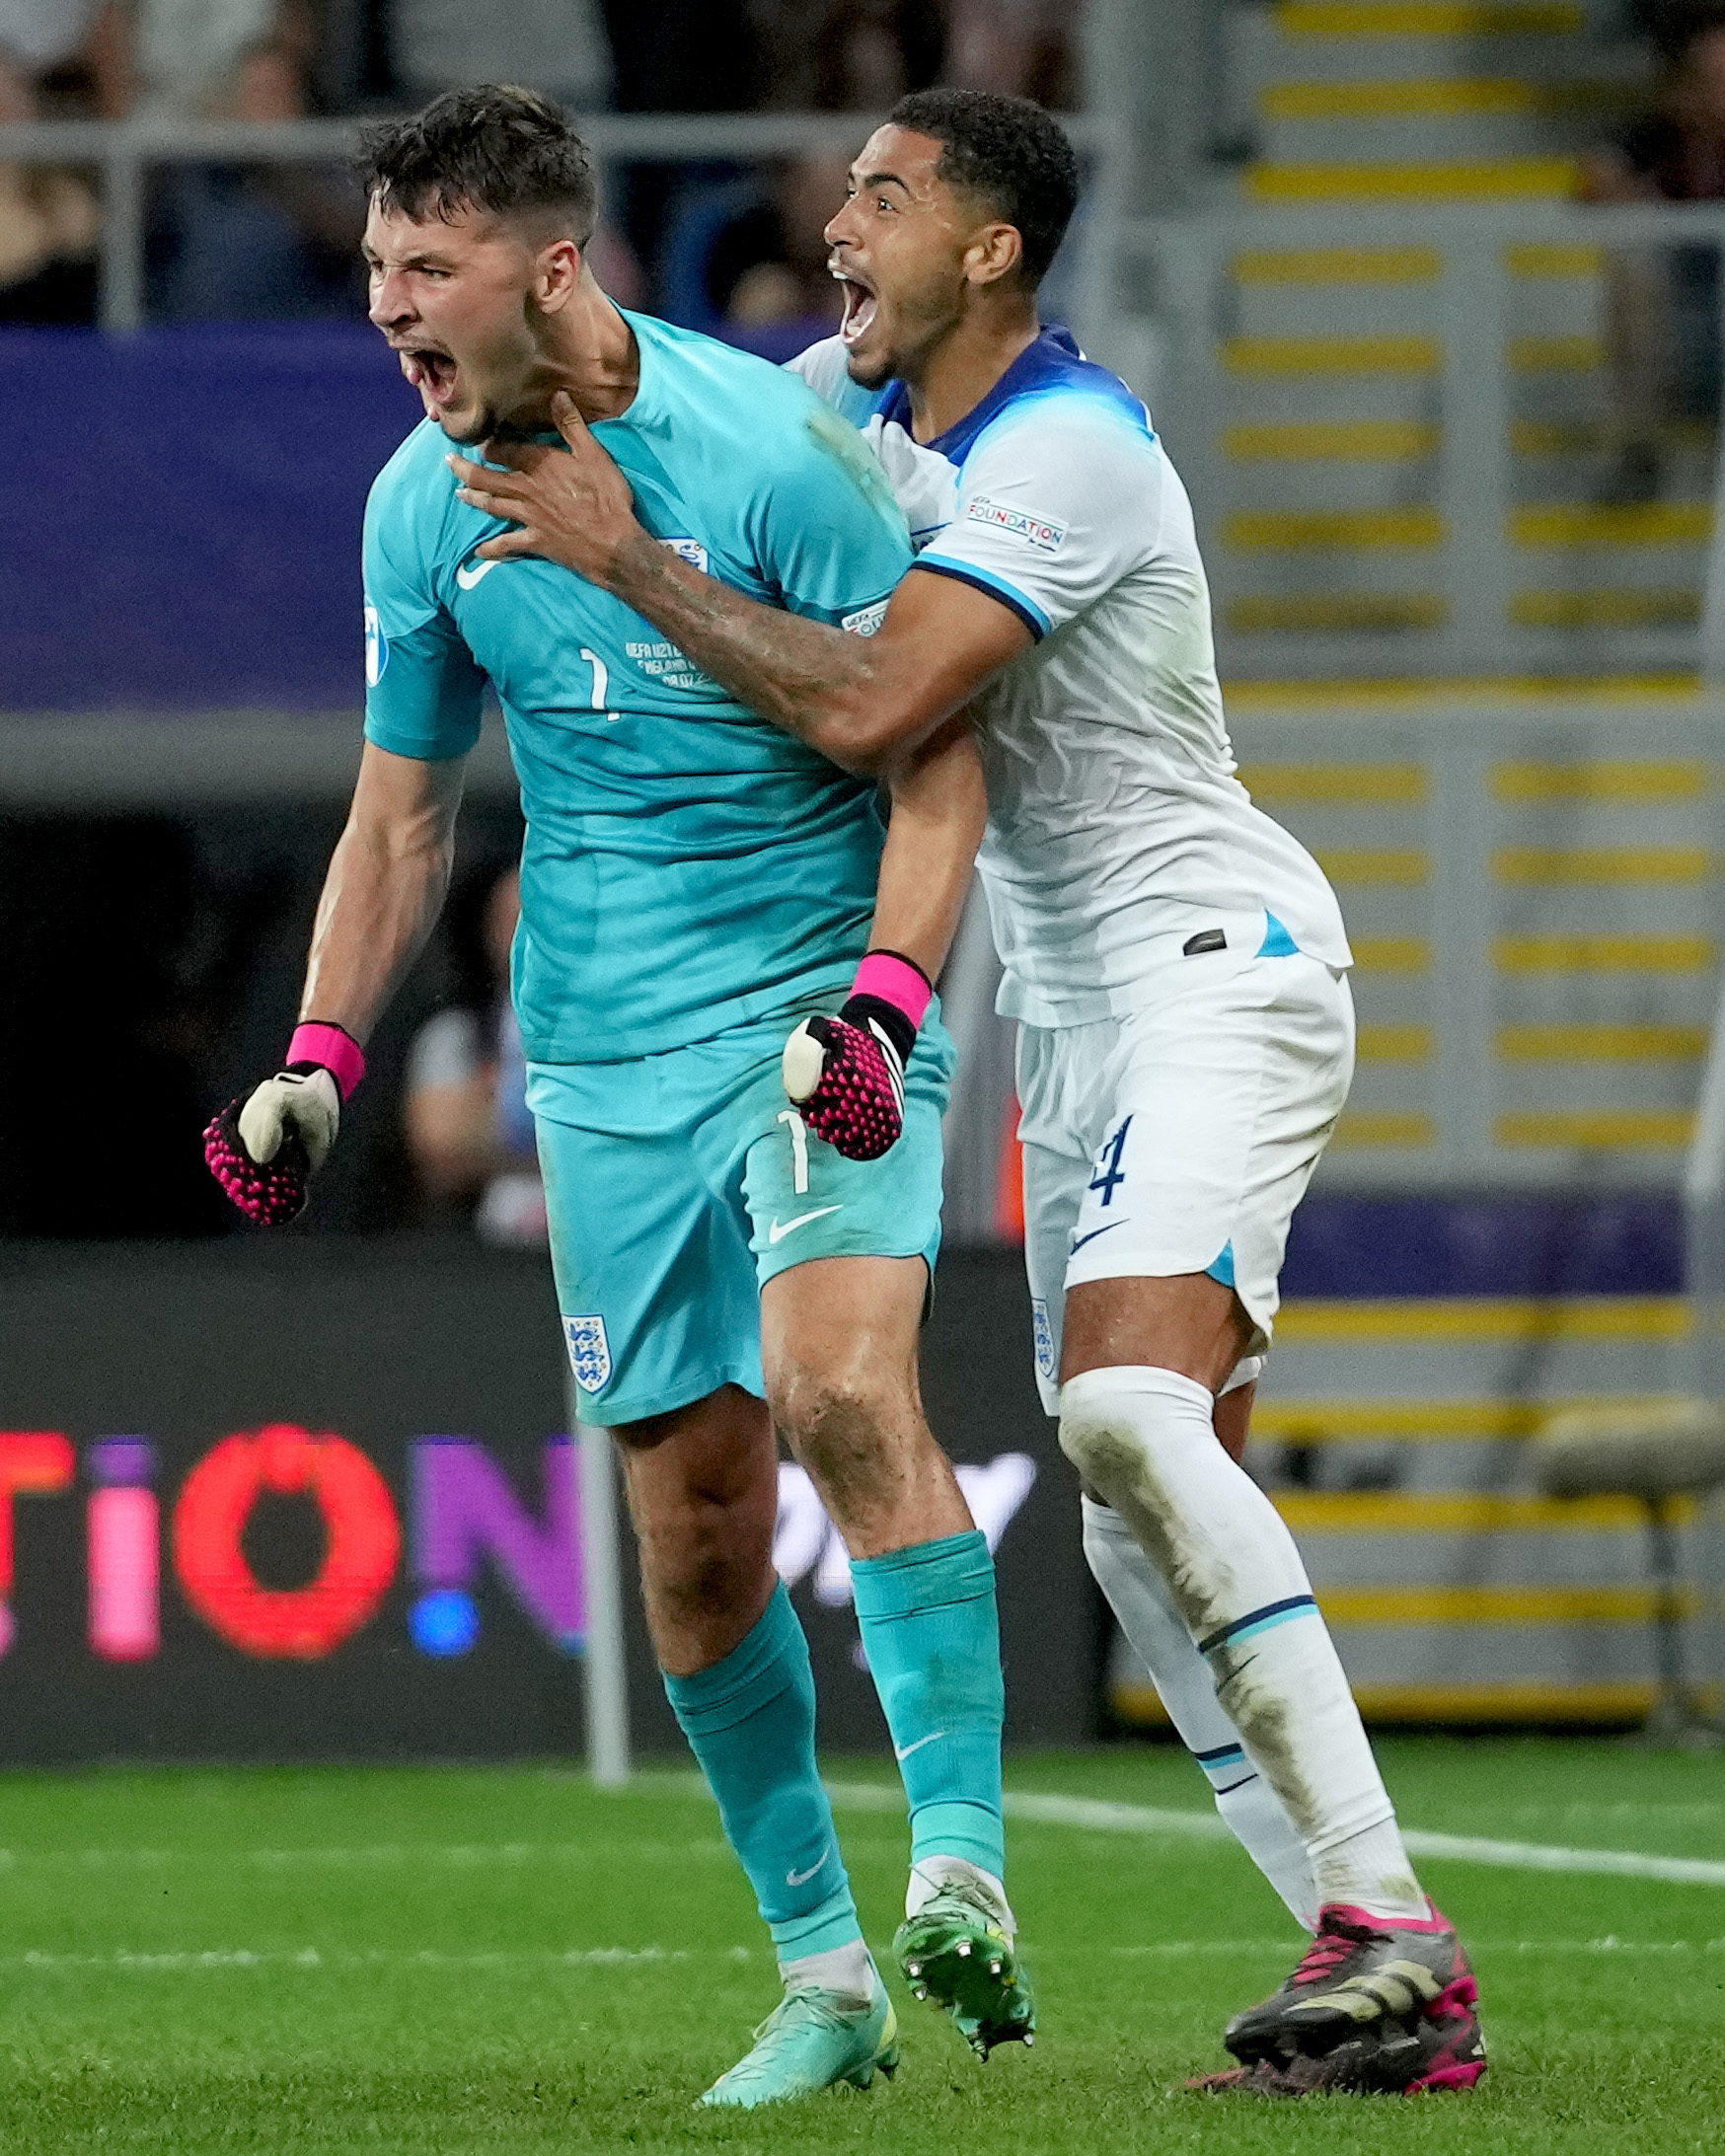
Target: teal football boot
<point x="958" y="1955"/>
<point x="811" y="2042"/>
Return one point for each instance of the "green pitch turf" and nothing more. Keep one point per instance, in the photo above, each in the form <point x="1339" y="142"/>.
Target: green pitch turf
<point x="475" y="1961"/>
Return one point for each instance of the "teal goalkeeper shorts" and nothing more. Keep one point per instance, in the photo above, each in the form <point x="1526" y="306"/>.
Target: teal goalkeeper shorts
<point x="678" y="1184"/>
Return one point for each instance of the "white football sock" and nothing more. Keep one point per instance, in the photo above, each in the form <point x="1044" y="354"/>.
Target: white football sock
<point x="1145" y="1439"/>
<point x="930" y="1874"/>
<point x="1370" y="1870"/>
<point x="847" y="1970"/>
<point x="1250" y="1807"/>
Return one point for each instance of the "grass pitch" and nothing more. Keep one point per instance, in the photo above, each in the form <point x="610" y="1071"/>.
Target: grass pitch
<point x="448" y="1960"/>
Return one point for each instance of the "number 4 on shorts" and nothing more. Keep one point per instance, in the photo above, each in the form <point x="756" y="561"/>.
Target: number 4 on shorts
<point x="1109" y="1173"/>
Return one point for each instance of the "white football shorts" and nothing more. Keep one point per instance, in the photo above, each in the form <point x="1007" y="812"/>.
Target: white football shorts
<point x="1179" y="1139"/>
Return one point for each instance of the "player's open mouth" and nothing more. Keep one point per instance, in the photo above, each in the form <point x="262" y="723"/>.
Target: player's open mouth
<point x="431" y="373"/>
<point x="859" y="308"/>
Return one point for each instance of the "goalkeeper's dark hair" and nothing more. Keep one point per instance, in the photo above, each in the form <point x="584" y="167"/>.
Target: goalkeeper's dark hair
<point x="1008" y="151"/>
<point x="494" y="148"/>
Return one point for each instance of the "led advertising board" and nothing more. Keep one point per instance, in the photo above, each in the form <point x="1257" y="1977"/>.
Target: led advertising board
<point x="318" y="1499"/>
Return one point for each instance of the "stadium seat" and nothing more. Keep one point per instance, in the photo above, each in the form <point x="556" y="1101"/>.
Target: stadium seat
<point x="1659" y="1454"/>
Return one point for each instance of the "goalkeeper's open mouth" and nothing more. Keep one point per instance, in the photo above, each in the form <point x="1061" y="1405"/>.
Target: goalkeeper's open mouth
<point x="860" y="305"/>
<point x="431" y="372"/>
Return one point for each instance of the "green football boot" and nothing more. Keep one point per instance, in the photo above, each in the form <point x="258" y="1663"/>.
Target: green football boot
<point x="810" y="2042"/>
<point x="956" y="1954"/>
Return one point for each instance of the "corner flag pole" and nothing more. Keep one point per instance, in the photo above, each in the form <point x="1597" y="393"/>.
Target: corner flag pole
<point x="606" y="1673"/>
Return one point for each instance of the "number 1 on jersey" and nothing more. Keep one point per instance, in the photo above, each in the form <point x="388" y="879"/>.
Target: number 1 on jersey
<point x="601" y="678"/>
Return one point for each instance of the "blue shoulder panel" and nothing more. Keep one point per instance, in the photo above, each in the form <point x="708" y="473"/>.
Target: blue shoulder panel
<point x="1053" y="363"/>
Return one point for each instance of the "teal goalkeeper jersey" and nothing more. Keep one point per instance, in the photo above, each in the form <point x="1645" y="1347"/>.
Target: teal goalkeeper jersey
<point x="687" y="867"/>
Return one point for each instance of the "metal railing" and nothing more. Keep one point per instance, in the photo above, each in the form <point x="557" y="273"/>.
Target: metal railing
<point x="125" y="151"/>
<point x="1191" y="265"/>
<point x="1157" y="298"/>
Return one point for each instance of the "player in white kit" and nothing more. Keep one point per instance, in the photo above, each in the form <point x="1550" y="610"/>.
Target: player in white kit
<point x="1177" y="966"/>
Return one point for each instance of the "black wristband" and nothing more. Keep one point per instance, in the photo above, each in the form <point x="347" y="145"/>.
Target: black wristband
<point x="858" y="1010"/>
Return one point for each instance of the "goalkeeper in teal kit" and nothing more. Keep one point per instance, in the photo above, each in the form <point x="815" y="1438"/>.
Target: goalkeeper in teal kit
<point x="690" y="892"/>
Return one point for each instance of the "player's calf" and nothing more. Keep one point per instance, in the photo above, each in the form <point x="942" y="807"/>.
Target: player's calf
<point x="844" y="1393"/>
<point x="1145" y="1438"/>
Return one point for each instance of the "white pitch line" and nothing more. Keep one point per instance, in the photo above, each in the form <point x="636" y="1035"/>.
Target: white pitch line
<point x="1534" y="1856"/>
<point x="1191" y="1949"/>
<point x="1050" y="1809"/>
<point x="1038" y="1807"/>
<point x="217" y="1960"/>
<point x="192" y="1961"/>
<point x="379" y="1856"/>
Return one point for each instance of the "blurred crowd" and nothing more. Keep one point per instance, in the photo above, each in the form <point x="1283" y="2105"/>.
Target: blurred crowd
<point x="717" y="245"/>
<point x="171" y="945"/>
<point x="465" y="1119"/>
<point x="1662" y="304"/>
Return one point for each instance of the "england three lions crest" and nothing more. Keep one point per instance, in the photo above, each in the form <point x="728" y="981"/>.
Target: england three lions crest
<point x="589" y="1351"/>
<point x="1042" y="1338"/>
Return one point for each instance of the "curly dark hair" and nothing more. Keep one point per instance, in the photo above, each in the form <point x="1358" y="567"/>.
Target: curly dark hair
<point x="1009" y="151"/>
<point x="492" y="148"/>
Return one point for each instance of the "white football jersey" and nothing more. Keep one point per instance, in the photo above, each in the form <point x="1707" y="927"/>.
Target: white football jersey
<point x="1117" y="827"/>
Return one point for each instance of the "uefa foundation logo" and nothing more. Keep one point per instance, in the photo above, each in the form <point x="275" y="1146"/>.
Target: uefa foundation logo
<point x="1043" y="533"/>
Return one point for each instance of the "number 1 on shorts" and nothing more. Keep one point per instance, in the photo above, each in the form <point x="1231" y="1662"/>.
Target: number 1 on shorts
<point x="799" y="1150"/>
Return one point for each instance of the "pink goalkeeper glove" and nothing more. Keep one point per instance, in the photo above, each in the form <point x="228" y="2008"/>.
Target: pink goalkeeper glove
<point x="846" y="1074"/>
<point x="264" y="1148"/>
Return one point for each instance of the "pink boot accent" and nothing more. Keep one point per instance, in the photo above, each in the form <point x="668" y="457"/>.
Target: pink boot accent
<point x="1448" y="2077"/>
<point x="1436" y="1921"/>
<point x="1455" y="2000"/>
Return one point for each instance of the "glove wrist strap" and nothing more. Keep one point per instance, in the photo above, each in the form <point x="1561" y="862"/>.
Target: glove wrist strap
<point x="896" y="980"/>
<point x="334" y="1048"/>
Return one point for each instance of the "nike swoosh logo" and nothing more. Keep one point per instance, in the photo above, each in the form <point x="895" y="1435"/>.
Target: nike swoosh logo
<point x="472" y="573"/>
<point x="1081" y="1241"/>
<point x="904" y="1752"/>
<point x="778" y="1229"/>
<point x="801" y="1879"/>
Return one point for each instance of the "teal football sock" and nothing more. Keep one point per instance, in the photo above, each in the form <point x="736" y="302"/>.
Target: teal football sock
<point x="931" y="1635"/>
<point x="750" y="1721"/>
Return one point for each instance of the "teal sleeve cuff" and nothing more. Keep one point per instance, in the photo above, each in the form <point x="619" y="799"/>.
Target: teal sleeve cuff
<point x="401" y="743"/>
